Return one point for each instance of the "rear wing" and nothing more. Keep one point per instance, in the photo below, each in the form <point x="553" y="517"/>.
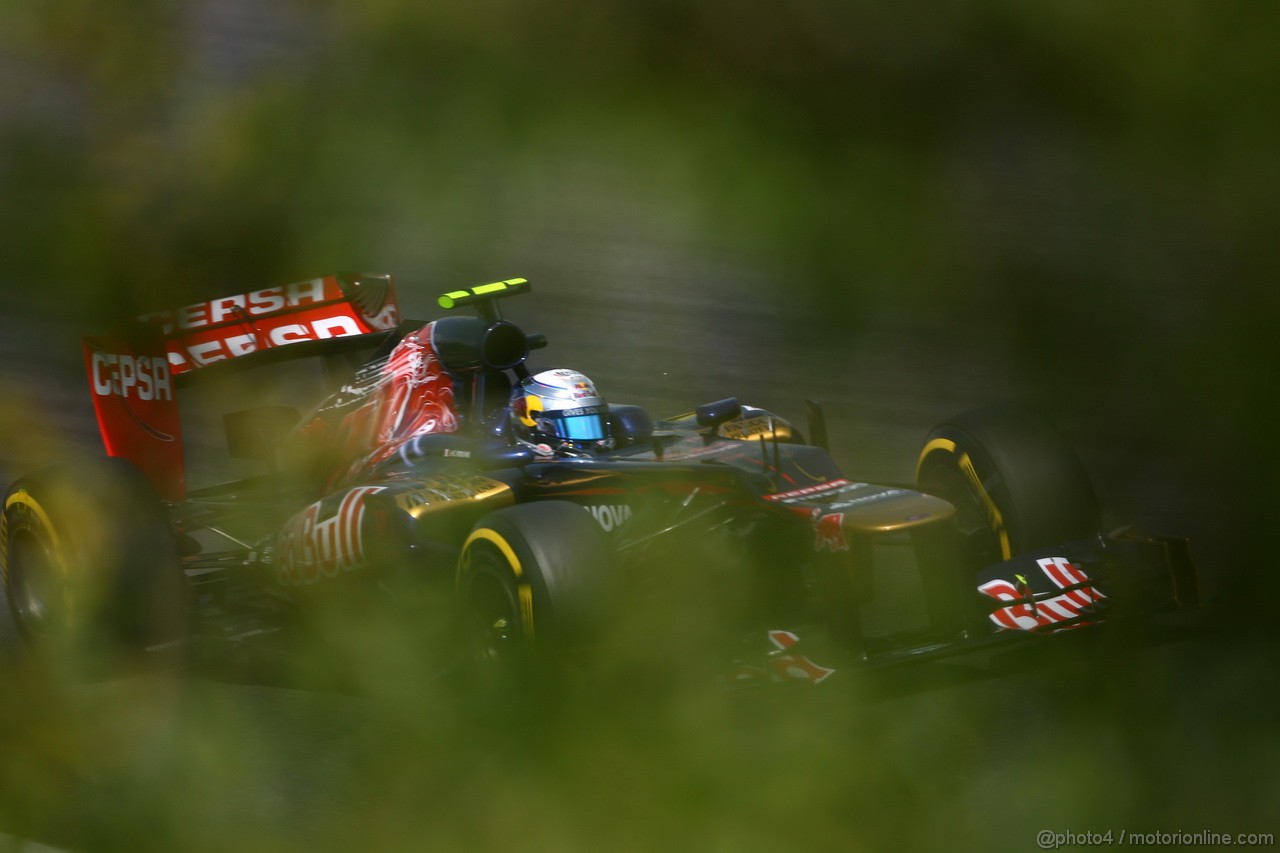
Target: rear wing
<point x="131" y="376"/>
<point x="331" y="307"/>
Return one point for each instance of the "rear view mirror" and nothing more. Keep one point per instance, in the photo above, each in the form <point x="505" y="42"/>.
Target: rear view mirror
<point x="255" y="433"/>
<point x="714" y="414"/>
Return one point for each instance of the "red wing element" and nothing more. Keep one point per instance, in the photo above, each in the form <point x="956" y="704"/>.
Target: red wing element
<point x="335" y="306"/>
<point x="132" y="380"/>
<point x="137" y="412"/>
<point x="1030" y="613"/>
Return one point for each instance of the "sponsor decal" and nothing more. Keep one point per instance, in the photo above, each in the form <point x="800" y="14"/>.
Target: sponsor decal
<point x="875" y="497"/>
<point x="828" y="531"/>
<point x="135" y="402"/>
<point x="312" y="546"/>
<point x="202" y="350"/>
<point x="748" y="428"/>
<point x="231" y="309"/>
<point x="137" y="377"/>
<point x="584" y="389"/>
<point x="208" y="332"/>
<point x="581" y="410"/>
<point x="812" y="492"/>
<point x="1028" y="613"/>
<point x="829" y="494"/>
<point x="610" y="516"/>
<point x="446" y="490"/>
<point x="783" y="664"/>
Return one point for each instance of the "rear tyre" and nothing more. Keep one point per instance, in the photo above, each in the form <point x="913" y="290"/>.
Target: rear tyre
<point x="1016" y="484"/>
<point x="90" y="563"/>
<point x="529" y="584"/>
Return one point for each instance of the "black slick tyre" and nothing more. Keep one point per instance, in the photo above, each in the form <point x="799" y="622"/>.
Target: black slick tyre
<point x="90" y="563"/>
<point x="528" y="586"/>
<point x="1016" y="484"/>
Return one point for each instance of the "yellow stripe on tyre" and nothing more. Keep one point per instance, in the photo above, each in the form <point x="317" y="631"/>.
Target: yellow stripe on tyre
<point x="23" y="497"/>
<point x="993" y="512"/>
<point x="937" y="444"/>
<point x="523" y="590"/>
<point x="971" y="474"/>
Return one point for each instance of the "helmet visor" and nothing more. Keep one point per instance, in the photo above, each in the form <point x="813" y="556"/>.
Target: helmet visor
<point x="578" y="424"/>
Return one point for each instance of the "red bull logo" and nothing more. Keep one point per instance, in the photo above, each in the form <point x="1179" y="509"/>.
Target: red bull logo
<point x="311" y="547"/>
<point x="1078" y="598"/>
<point x="784" y="663"/>
<point x="828" y="531"/>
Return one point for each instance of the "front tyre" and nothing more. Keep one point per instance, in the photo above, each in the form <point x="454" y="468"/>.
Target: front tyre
<point x="529" y="584"/>
<point x="1016" y="484"/>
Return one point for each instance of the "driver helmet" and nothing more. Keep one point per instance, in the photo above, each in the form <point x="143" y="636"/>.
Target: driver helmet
<point x="560" y="411"/>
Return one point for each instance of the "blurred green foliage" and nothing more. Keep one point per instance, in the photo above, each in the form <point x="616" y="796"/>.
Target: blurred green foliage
<point x="1071" y="191"/>
<point x="863" y="154"/>
<point x="1104" y="174"/>
<point x="1088" y="189"/>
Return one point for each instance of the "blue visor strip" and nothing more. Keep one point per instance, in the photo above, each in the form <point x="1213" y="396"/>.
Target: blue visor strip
<point x="581" y="428"/>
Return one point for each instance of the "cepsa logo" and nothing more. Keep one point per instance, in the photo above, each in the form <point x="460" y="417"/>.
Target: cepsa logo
<point x="232" y="326"/>
<point x="213" y="347"/>
<point x="240" y="307"/>
<point x="139" y="377"/>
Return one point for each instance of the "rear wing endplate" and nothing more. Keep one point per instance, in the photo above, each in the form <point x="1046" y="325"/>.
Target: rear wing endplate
<point x="131" y="376"/>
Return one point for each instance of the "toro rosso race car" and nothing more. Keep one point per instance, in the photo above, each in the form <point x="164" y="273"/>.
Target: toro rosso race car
<point x="431" y="455"/>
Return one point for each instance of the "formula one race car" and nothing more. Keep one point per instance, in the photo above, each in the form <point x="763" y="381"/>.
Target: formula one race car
<point x="436" y="458"/>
